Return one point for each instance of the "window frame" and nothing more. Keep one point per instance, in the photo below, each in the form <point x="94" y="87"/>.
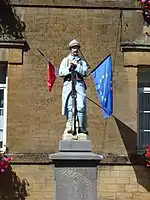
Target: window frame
<point x="141" y="90"/>
<point x="5" y="88"/>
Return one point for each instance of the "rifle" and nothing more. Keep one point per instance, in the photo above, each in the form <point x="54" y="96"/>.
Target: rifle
<point x="74" y="104"/>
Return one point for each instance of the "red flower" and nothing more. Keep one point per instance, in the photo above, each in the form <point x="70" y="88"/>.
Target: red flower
<point x="4" y="162"/>
<point x="147" y="155"/>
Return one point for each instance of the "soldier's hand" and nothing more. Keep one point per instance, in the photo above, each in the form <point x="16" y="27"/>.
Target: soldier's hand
<point x="74" y="62"/>
<point x="72" y="66"/>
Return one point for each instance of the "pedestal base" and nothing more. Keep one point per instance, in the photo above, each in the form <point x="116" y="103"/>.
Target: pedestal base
<point x="75" y="170"/>
<point x="75" y="146"/>
<point x="81" y="136"/>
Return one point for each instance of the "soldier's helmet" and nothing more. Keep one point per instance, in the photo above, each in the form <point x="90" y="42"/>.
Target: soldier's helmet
<point x="73" y="43"/>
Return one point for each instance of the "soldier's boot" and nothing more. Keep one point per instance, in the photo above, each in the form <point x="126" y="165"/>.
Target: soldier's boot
<point x="82" y="130"/>
<point x="70" y="121"/>
<point x="85" y="123"/>
<point x="81" y="118"/>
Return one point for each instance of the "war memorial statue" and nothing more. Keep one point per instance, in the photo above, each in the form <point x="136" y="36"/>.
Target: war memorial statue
<point x="73" y="69"/>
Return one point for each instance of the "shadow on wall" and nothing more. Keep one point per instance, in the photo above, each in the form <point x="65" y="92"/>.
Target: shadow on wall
<point x="129" y="138"/>
<point x="11" y="27"/>
<point x="12" y="187"/>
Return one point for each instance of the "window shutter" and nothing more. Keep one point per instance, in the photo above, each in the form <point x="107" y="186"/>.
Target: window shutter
<point x="143" y="119"/>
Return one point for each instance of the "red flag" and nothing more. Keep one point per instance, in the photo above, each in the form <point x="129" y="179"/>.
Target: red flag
<point x="51" y="76"/>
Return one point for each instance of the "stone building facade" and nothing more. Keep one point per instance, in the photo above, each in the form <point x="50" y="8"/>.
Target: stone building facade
<point x="34" y="123"/>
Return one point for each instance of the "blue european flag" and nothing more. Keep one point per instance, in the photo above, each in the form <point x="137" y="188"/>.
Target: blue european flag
<point x="102" y="76"/>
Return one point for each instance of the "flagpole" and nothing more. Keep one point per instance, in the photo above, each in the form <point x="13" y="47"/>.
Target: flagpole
<point x="97" y="66"/>
<point x="97" y="104"/>
<point x="43" y="55"/>
<point x="84" y="58"/>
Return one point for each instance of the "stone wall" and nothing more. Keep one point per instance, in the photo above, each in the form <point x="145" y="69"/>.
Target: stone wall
<point x="113" y="183"/>
<point x="35" y="123"/>
<point x="28" y="182"/>
<point x="123" y="182"/>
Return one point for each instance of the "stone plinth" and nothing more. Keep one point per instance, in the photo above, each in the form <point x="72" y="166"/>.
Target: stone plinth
<point x="75" y="170"/>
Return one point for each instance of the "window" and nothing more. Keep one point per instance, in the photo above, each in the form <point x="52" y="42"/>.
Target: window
<point x="143" y="109"/>
<point x="3" y="104"/>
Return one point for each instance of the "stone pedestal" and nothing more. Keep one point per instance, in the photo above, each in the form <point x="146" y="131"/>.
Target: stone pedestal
<point x="75" y="170"/>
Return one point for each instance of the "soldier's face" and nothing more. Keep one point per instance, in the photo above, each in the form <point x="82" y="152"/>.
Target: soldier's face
<point x="74" y="50"/>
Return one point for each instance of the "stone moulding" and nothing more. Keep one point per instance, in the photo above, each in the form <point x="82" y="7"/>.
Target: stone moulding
<point x="136" y="54"/>
<point x="43" y="159"/>
<point x="18" y="44"/>
<point x="12" y="51"/>
<point x="134" y="46"/>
